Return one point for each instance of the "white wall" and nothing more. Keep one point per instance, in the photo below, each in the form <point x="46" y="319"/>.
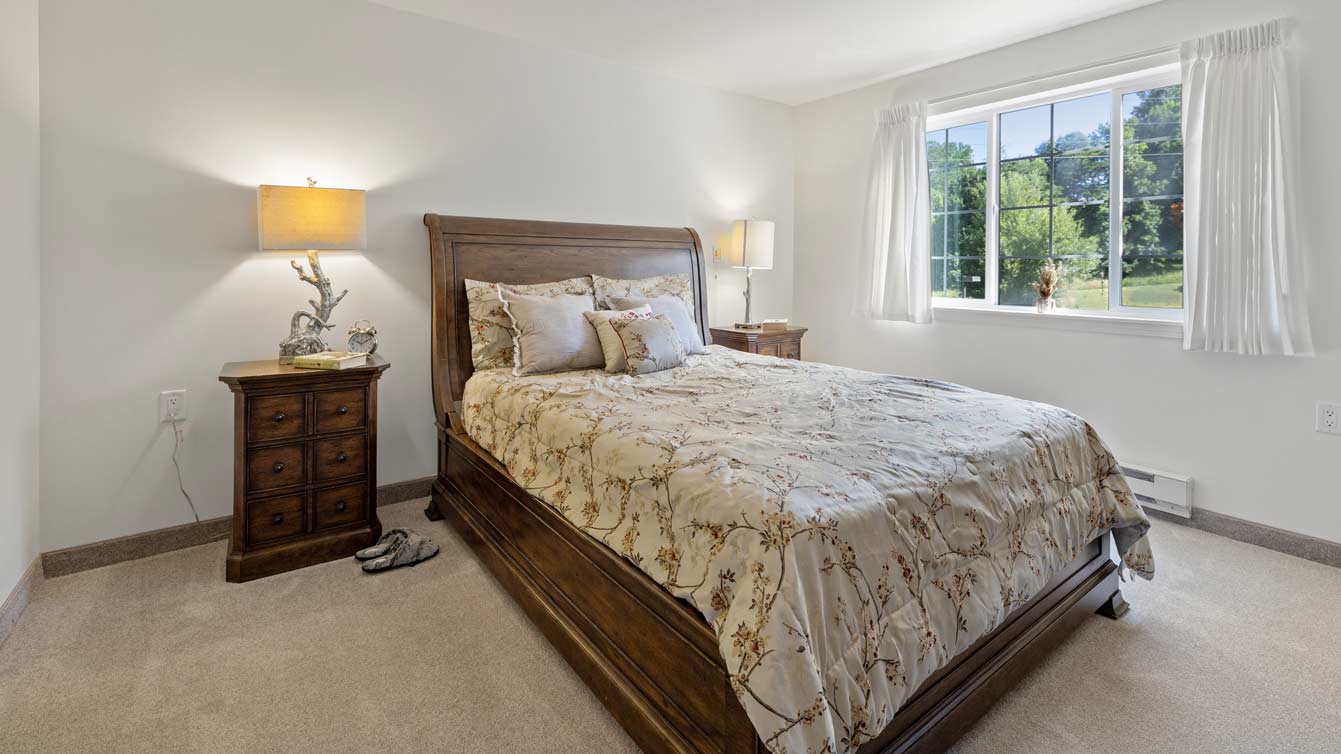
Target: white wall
<point x="19" y="252"/>
<point x="159" y="119"/>
<point x="1243" y="427"/>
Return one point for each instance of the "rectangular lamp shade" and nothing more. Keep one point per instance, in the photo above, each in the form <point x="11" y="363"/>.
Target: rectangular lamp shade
<point x="299" y="218"/>
<point x="751" y="244"/>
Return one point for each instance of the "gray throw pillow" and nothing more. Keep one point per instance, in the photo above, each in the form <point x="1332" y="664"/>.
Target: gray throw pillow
<point x="550" y="334"/>
<point x="650" y="342"/>
<point x="610" y="344"/>
<point x="673" y="309"/>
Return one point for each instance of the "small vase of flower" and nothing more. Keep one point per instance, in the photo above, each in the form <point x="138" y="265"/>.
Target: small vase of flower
<point x="1048" y="278"/>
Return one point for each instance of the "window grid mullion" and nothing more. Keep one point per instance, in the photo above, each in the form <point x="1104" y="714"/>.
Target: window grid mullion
<point x="1116" y="134"/>
<point x="944" y="228"/>
<point x="945" y="218"/>
<point x="991" y="250"/>
<point x="1052" y="178"/>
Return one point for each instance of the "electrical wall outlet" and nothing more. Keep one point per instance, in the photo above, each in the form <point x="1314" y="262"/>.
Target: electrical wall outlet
<point x="1329" y="418"/>
<point x="171" y="406"/>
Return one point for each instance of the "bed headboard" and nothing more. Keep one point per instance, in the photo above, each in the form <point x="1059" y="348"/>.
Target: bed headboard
<point x="528" y="251"/>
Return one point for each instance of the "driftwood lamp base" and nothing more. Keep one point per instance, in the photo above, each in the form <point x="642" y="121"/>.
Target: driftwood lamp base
<point x="305" y="338"/>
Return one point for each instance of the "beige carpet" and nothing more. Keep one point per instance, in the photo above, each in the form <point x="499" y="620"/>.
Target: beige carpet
<point x="1233" y="649"/>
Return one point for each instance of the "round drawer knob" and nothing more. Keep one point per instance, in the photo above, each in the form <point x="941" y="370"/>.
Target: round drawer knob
<point x="277" y="519"/>
<point x="341" y="458"/>
<point x="280" y="417"/>
<point x="342" y="410"/>
<point x="341" y="506"/>
<point x="279" y="468"/>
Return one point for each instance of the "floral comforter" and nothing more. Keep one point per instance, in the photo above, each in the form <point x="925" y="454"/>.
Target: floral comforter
<point x="845" y="533"/>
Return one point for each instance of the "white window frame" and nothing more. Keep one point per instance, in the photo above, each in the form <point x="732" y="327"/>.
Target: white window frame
<point x="1117" y="318"/>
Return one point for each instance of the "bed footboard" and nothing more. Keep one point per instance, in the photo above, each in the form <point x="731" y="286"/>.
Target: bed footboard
<point x="653" y="661"/>
<point x="649" y="657"/>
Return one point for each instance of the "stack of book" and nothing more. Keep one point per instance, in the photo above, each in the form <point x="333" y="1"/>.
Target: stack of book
<point x="331" y="360"/>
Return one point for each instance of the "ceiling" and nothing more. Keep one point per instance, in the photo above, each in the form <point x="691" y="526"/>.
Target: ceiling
<point x="790" y="51"/>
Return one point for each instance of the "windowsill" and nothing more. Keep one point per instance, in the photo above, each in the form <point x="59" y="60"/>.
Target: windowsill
<point x="1061" y="319"/>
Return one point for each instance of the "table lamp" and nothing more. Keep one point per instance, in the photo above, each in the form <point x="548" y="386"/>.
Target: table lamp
<point x="750" y="248"/>
<point x="311" y="219"/>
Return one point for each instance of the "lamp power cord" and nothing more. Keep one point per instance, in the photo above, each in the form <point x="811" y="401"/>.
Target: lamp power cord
<point x="177" y="444"/>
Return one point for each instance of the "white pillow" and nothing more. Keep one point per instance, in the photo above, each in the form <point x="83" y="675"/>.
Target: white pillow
<point x="550" y="334"/>
<point x="610" y="343"/>
<point x="490" y="328"/>
<point x="673" y="309"/>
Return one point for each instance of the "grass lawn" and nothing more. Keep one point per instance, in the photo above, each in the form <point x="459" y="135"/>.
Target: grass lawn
<point x="1163" y="291"/>
<point x="1154" y="292"/>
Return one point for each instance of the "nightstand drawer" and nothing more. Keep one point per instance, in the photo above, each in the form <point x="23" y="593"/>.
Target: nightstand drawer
<point x="340" y="505"/>
<point x="275" y="417"/>
<point x="340" y="410"/>
<point x="276" y="518"/>
<point x="769" y="349"/>
<point x="791" y="350"/>
<point x="341" y="457"/>
<point x="272" y="468"/>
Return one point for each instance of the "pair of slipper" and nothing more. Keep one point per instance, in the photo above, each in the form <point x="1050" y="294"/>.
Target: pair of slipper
<point x="397" y="547"/>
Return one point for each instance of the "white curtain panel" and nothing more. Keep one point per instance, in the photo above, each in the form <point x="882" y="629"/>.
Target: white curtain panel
<point x="894" y="276"/>
<point x="1244" y="253"/>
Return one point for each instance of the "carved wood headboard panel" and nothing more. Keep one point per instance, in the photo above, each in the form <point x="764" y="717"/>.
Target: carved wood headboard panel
<point x="527" y="251"/>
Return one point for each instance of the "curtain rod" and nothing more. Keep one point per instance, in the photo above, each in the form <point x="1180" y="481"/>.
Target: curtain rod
<point x="1058" y="74"/>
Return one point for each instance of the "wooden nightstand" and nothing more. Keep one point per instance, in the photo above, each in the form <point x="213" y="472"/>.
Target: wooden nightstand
<point x="784" y="343"/>
<point x="304" y="465"/>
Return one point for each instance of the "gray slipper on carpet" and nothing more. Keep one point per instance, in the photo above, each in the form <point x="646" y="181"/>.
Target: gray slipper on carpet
<point x="390" y="540"/>
<point x="415" y="549"/>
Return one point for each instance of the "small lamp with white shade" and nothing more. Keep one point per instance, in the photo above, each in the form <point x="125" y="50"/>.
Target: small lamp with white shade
<point x="750" y="247"/>
<point x="311" y="219"/>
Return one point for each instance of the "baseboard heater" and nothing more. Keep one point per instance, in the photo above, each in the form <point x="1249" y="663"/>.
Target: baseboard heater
<point x="1160" y="490"/>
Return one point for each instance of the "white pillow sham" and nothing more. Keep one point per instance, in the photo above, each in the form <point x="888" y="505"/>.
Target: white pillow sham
<point x="550" y="334"/>
<point x="678" y="285"/>
<point x="491" y="341"/>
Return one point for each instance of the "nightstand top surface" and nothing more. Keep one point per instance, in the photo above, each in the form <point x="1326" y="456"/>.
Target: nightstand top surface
<point x="758" y="331"/>
<point x="235" y="372"/>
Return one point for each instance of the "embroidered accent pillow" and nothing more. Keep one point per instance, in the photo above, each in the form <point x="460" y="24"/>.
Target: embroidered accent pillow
<point x="678" y="285"/>
<point x="650" y="342"/>
<point x="671" y="308"/>
<point x="614" y="350"/>
<point x="550" y="334"/>
<point x="490" y="328"/>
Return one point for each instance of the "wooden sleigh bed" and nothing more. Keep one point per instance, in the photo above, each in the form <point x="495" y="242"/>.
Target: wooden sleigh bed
<point x="650" y="657"/>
